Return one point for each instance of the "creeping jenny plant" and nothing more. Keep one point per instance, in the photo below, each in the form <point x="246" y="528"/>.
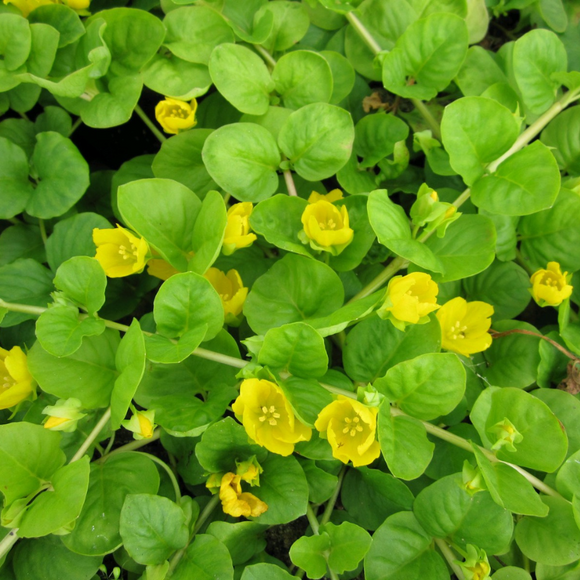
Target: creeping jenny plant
<point x="309" y="308"/>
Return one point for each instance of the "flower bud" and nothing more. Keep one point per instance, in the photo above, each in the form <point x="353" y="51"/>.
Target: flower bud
<point x="232" y="293"/>
<point x="64" y="415"/>
<point x="507" y="435"/>
<point x="142" y="423"/>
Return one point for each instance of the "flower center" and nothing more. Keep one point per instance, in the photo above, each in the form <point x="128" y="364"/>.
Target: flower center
<point x="552" y="282"/>
<point x="352" y="426"/>
<point x="330" y="224"/>
<point x="7" y="382"/>
<point x="128" y="254"/>
<point x="457" y="331"/>
<point x="178" y="112"/>
<point x="269" y="415"/>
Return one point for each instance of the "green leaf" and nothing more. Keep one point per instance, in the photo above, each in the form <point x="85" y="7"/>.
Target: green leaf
<point x="180" y="159"/>
<point x="512" y="360"/>
<point x="278" y="219"/>
<point x="404" y="444"/>
<point x="208" y="232"/>
<point x="31" y="556"/>
<point x="133" y="37"/>
<point x="224" y="443"/>
<point x="290" y="24"/>
<point x="567" y="481"/>
<point x="205" y="559"/>
<point x="283" y="487"/>
<point x="553" y="540"/>
<point x="60" y="331"/>
<point x="317" y="139"/>
<point x="194" y="31"/>
<point x="431" y="51"/>
<point x="370" y="496"/>
<point x="60" y="506"/>
<point x="97" y="529"/>
<point x="478" y="72"/>
<point x="94" y="361"/>
<point x="511" y="573"/>
<point x="504" y="285"/>
<point x="73" y="237"/>
<point x="309" y="553"/>
<point x="554" y="13"/>
<point x="561" y="136"/>
<point x="164" y="213"/>
<point x="241" y="77"/>
<point x="349" y="545"/>
<point x="243" y="539"/>
<point x="13" y="179"/>
<point x="242" y="158"/>
<point x="536" y="56"/>
<point x="187" y="301"/>
<point x="272" y="120"/>
<point x="425" y="387"/>
<point x="321" y="484"/>
<point x="306" y="397"/>
<point x="391" y="225"/>
<point x="509" y="488"/>
<point x="374" y="346"/>
<point x="21" y="241"/>
<point x="445" y="509"/>
<point x="471" y="149"/>
<point x="83" y="280"/>
<point x="15" y="40"/>
<point x="548" y="235"/>
<point x="24" y="282"/>
<point x="343" y="75"/>
<point x="401" y="549"/>
<point x="63" y="176"/>
<point x="295" y="289"/>
<point x="54" y="119"/>
<point x="152" y="528"/>
<point x="29" y="456"/>
<point x="525" y="183"/>
<point x="532" y="418"/>
<point x="265" y="572"/>
<point x="302" y="78"/>
<point x="375" y="137"/>
<point x="62" y="18"/>
<point x="130" y="363"/>
<point x="168" y="351"/>
<point x="295" y="348"/>
<point x="467" y="248"/>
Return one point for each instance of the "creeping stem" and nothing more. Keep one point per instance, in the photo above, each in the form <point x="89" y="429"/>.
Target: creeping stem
<point x="162" y="138"/>
<point x="450" y="557"/>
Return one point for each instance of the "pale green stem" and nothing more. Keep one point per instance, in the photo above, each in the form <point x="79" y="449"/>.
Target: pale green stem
<point x="203" y="517"/>
<point x="265" y="55"/>
<point x="169" y="472"/>
<point x="75" y="126"/>
<point x="362" y="31"/>
<point x="429" y="118"/>
<point x="109" y="444"/>
<point x="332" y="501"/>
<point x="133" y="445"/>
<point x="450" y="557"/>
<point x="290" y="183"/>
<point x="42" y="227"/>
<point x="92" y="435"/>
<point x="162" y="138"/>
<point x="312" y="519"/>
<point x="383" y="277"/>
<point x="8" y="541"/>
<point x="462" y="198"/>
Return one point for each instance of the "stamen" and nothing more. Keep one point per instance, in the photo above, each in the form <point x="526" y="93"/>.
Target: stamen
<point x="264" y="409"/>
<point x="273" y="422"/>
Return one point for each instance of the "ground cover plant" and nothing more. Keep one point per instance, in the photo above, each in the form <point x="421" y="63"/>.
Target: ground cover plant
<point x="289" y="289"/>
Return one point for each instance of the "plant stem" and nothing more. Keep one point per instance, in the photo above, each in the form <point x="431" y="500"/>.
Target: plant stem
<point x="563" y="350"/>
<point x="42" y="227"/>
<point x="169" y="472"/>
<point x="92" y="435"/>
<point x="429" y="118"/>
<point x="75" y="126"/>
<point x="393" y="267"/>
<point x="8" y="541"/>
<point x="133" y="445"/>
<point x="150" y="124"/>
<point x="450" y="557"/>
<point x="332" y="501"/>
<point x="205" y="514"/>
<point x="312" y="519"/>
<point x="265" y="55"/>
<point x="362" y="31"/>
<point x="290" y="183"/>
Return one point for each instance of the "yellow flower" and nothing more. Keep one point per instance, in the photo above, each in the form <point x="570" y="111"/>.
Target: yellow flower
<point x="237" y="503"/>
<point x="464" y="326"/>
<point x="214" y="482"/>
<point x="232" y="292"/>
<point x="160" y="269"/>
<point x="80" y="5"/>
<point x="268" y="418"/>
<point x="237" y="234"/>
<point x="550" y="287"/>
<point x="476" y="565"/>
<point x="16" y="382"/>
<point x="249" y="471"/>
<point x="63" y="416"/>
<point x="351" y="429"/>
<point x="410" y="299"/>
<point x="27" y="6"/>
<point x="175" y="115"/>
<point x="119" y="252"/>
<point x="326" y="227"/>
<point x="331" y="196"/>
<point x="142" y="423"/>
